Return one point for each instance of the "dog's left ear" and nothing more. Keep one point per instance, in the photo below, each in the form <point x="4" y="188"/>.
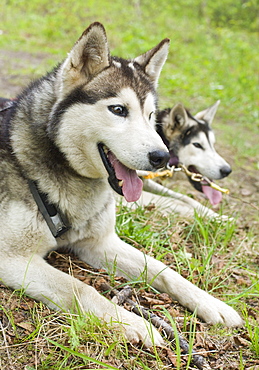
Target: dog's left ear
<point x="89" y="56"/>
<point x="178" y="116"/>
<point x="153" y="60"/>
<point x="209" y="113"/>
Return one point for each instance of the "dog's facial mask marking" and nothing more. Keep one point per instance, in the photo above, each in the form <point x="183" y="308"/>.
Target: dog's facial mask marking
<point x="124" y="108"/>
<point x="191" y="140"/>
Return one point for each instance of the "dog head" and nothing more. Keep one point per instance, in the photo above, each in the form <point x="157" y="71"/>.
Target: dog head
<point x="104" y="116"/>
<point x="191" y="142"/>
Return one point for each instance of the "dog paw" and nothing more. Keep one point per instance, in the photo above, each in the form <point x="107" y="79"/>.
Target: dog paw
<point x="143" y="332"/>
<point x="137" y="329"/>
<point x="218" y="312"/>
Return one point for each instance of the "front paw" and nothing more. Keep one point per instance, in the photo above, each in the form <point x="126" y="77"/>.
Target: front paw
<point x="136" y="329"/>
<point x="215" y="311"/>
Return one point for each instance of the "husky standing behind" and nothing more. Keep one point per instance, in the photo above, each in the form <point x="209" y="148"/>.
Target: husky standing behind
<point x="91" y="115"/>
<point x="190" y="141"/>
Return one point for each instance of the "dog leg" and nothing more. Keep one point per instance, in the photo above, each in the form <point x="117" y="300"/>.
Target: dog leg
<point x="164" y="204"/>
<point x="131" y="263"/>
<point x="185" y="206"/>
<point x="61" y="291"/>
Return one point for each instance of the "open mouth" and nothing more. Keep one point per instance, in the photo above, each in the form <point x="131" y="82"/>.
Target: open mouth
<point x="122" y="179"/>
<point x="213" y="195"/>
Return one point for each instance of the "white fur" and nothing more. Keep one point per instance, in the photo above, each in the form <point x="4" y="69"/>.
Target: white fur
<point x="79" y="141"/>
<point x="87" y="200"/>
<point x="207" y="161"/>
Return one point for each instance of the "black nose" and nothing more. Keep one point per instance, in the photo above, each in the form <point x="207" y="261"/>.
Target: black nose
<point x="158" y="158"/>
<point x="225" y="171"/>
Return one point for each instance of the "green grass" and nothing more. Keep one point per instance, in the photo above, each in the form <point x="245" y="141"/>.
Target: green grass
<point x="213" y="55"/>
<point x="206" y="63"/>
<point x="75" y="341"/>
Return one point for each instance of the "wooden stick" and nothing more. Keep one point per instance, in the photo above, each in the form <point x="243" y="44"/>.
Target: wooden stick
<point x="123" y="296"/>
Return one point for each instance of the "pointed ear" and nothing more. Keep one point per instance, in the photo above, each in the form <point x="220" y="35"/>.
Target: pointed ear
<point x="89" y="56"/>
<point x="178" y="116"/>
<point x="153" y="60"/>
<point x="209" y="113"/>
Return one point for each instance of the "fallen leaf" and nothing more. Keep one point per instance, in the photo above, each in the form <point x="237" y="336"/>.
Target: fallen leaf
<point x="239" y="341"/>
<point x="27" y="326"/>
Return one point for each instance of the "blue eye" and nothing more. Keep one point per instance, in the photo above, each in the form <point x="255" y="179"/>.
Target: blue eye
<point x="118" y="110"/>
<point x="197" y="145"/>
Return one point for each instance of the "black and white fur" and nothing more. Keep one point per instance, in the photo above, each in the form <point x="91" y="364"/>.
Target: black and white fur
<point x="190" y="140"/>
<point x="52" y="136"/>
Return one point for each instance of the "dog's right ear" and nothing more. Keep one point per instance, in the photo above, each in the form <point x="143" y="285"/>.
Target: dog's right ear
<point x="89" y="56"/>
<point x="178" y="116"/>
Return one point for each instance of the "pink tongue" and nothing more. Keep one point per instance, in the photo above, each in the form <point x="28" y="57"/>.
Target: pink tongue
<point x="132" y="185"/>
<point x="213" y="195"/>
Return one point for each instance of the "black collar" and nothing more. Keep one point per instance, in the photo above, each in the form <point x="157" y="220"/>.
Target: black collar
<point x="56" y="221"/>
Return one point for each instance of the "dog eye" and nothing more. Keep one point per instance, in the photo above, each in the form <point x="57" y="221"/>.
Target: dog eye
<point x="197" y="145"/>
<point x="118" y="110"/>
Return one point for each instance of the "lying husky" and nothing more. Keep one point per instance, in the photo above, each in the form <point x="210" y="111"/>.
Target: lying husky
<point x="174" y="126"/>
<point x="190" y="141"/>
<point x="68" y="139"/>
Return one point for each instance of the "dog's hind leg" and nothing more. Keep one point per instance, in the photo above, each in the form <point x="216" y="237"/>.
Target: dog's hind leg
<point x="61" y="291"/>
<point x="132" y="264"/>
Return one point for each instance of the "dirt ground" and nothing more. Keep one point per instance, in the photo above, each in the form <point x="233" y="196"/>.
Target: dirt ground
<point x="244" y="200"/>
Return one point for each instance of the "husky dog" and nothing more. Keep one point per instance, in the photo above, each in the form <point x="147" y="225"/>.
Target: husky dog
<point x="69" y="140"/>
<point x="190" y="141"/>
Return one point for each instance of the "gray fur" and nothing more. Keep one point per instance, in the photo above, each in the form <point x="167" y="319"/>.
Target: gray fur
<point x="190" y="140"/>
<point x="53" y="131"/>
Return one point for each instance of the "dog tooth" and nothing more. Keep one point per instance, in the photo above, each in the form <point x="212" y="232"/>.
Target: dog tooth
<point x="120" y="183"/>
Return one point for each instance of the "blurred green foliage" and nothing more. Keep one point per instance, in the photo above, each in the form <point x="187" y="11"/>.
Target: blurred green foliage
<point x="213" y="53"/>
